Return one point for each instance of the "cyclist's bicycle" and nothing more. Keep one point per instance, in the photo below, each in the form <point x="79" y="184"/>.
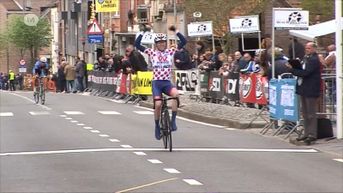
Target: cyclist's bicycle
<point x="165" y="123"/>
<point x="40" y="92"/>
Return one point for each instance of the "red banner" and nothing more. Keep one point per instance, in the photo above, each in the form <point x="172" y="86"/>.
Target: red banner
<point x="123" y="89"/>
<point x="261" y="90"/>
<point x="247" y="88"/>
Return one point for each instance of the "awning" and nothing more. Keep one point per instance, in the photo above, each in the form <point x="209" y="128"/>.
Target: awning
<point x="314" y="31"/>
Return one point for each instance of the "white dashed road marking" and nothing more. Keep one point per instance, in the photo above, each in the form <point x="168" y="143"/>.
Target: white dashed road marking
<point x="73" y="113"/>
<point x="63" y="115"/>
<point x="80" y="124"/>
<point x="104" y="135"/>
<point x="139" y="153"/>
<point x="339" y="160"/>
<point x="109" y="112"/>
<point x="114" y="140"/>
<point x="88" y="128"/>
<point x="68" y="118"/>
<point x="126" y="146"/>
<point x="39" y="113"/>
<point x="95" y="131"/>
<point x="192" y="182"/>
<point x="155" y="161"/>
<point x="74" y="121"/>
<point x="144" y="112"/>
<point x="6" y="114"/>
<point x="171" y="170"/>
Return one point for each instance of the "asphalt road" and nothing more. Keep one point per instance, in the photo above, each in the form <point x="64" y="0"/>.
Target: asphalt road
<point x="78" y="143"/>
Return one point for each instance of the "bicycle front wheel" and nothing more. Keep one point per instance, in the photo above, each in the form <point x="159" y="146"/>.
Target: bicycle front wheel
<point x="42" y="97"/>
<point x="167" y="130"/>
<point x="36" y="96"/>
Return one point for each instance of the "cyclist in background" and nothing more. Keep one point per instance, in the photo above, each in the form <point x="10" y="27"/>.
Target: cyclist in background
<point x="40" y="70"/>
<point x="162" y="62"/>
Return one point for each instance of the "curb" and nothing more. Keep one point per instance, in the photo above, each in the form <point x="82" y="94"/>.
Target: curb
<point x="213" y="120"/>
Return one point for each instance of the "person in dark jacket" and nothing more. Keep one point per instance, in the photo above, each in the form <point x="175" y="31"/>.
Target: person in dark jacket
<point x="280" y="64"/>
<point x="137" y="60"/>
<point x="80" y="74"/>
<point x="182" y="60"/>
<point x="308" y="87"/>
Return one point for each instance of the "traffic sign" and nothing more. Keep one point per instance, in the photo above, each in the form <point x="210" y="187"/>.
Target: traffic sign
<point x="95" y="39"/>
<point x="94" y="28"/>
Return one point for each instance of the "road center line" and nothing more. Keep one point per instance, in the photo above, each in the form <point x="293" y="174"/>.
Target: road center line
<point x="339" y="160"/>
<point x="146" y="185"/>
<point x="160" y="149"/>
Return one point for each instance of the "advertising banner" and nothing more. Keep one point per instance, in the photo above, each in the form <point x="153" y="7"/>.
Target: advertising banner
<point x="283" y="102"/>
<point x="187" y="81"/>
<point x="246" y="24"/>
<point x="216" y="86"/>
<point x="231" y="86"/>
<point x="247" y="88"/>
<point x="291" y="19"/>
<point x="144" y="83"/>
<point x="198" y="29"/>
<point x="106" y="5"/>
<point x="261" y="90"/>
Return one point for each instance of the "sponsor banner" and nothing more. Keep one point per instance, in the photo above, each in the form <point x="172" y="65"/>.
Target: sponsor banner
<point x="148" y="38"/>
<point x="200" y="29"/>
<point x="273" y="88"/>
<point x="106" y="5"/>
<point x="187" y="81"/>
<point x="261" y="90"/>
<point x="231" y="86"/>
<point x="247" y="88"/>
<point x="291" y="19"/>
<point x="144" y="83"/>
<point x="216" y="86"/>
<point x="247" y="24"/>
<point x="204" y="82"/>
<point x="288" y="100"/>
<point x="283" y="102"/>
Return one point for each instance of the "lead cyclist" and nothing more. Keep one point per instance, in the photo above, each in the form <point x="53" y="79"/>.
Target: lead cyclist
<point x="162" y="62"/>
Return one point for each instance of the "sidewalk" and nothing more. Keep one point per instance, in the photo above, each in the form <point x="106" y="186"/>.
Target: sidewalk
<point x="239" y="118"/>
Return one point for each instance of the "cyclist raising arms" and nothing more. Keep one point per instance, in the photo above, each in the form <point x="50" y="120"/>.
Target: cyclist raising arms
<point x="162" y="61"/>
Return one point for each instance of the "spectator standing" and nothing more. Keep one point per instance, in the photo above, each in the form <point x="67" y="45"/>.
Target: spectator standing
<point x="280" y="64"/>
<point x="20" y="80"/>
<point x="136" y="59"/>
<point x="61" y="78"/>
<point x="11" y="78"/>
<point x="80" y="74"/>
<point x="237" y="61"/>
<point x="182" y="59"/>
<point x="70" y="74"/>
<point x="102" y="64"/>
<point x="308" y="87"/>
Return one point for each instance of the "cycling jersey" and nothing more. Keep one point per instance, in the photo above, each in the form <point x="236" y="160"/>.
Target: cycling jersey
<point x="162" y="61"/>
<point x="41" y="69"/>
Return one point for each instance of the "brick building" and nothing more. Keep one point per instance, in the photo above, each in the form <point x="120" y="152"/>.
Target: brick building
<point x="9" y="58"/>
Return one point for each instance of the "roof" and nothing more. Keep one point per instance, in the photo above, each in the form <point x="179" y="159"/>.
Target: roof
<point x="11" y="5"/>
<point x="314" y="31"/>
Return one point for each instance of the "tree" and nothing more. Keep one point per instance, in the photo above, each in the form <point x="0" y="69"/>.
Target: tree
<point x="31" y="38"/>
